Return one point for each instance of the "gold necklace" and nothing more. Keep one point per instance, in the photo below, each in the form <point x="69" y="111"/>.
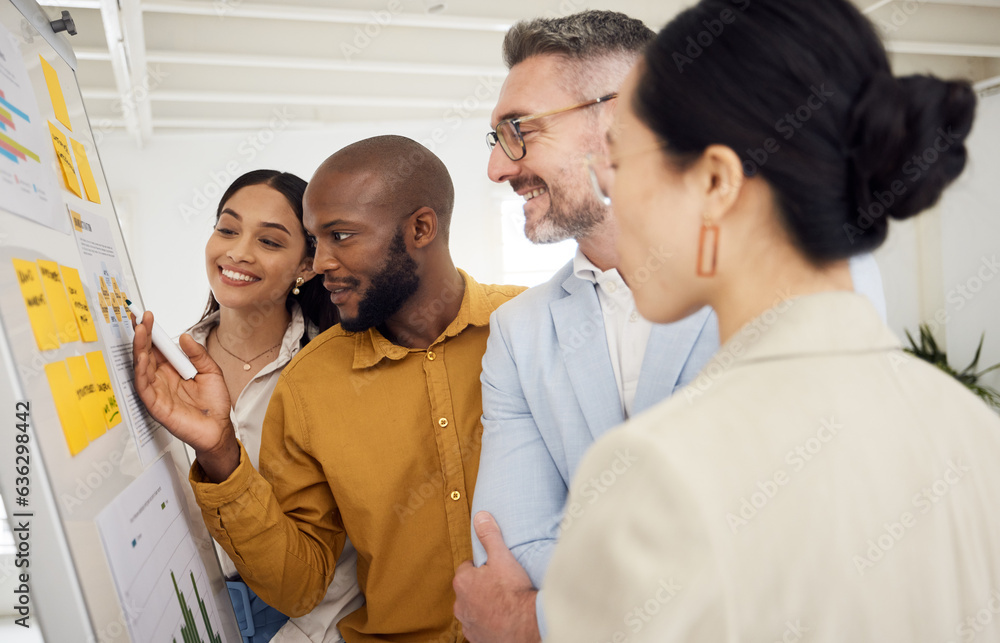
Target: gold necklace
<point x="246" y="363"/>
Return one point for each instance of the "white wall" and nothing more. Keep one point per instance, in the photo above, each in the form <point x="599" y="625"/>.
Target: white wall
<point x="167" y="194"/>
<point x="943" y="265"/>
<point x="970" y="239"/>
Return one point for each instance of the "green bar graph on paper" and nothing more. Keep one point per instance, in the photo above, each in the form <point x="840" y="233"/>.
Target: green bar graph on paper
<point x="213" y="638"/>
<point x="189" y="631"/>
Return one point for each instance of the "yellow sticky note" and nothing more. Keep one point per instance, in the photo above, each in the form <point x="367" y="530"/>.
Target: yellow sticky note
<point x="78" y="299"/>
<point x="86" y="173"/>
<point x="73" y="425"/>
<point x="55" y="293"/>
<point x="116" y="306"/>
<point x="104" y="307"/>
<point x="42" y="324"/>
<point x="99" y="371"/>
<point x="55" y="93"/>
<point x="78" y="222"/>
<point x="91" y="404"/>
<point x="61" y="146"/>
<point x="119" y="298"/>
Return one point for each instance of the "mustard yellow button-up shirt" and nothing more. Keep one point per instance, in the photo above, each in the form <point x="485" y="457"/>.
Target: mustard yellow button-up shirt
<point x="372" y="440"/>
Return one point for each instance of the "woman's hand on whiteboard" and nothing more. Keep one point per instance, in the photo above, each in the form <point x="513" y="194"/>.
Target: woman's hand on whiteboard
<point x="197" y="410"/>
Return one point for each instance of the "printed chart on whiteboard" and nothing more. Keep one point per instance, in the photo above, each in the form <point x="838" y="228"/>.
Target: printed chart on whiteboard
<point x="102" y="272"/>
<point x="27" y="184"/>
<point x="160" y="578"/>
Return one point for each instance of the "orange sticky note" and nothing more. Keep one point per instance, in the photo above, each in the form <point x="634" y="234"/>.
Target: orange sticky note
<point x="78" y="223"/>
<point x="61" y="146"/>
<point x="78" y="300"/>
<point x="73" y="425"/>
<point x="99" y="371"/>
<point x="56" y="93"/>
<point x="86" y="173"/>
<point x="119" y="299"/>
<point x="42" y="323"/>
<point x="116" y="306"/>
<point x="55" y="293"/>
<point x="86" y="396"/>
<point x="104" y="307"/>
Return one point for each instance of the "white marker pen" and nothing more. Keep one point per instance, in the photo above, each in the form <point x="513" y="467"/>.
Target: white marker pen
<point x="170" y="350"/>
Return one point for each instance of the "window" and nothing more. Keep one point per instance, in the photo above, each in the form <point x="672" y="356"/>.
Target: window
<point x="524" y="262"/>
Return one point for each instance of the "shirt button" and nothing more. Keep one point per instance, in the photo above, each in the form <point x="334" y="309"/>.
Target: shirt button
<point x="431" y="356"/>
<point x="456" y="495"/>
<point x="633" y="317"/>
<point x="612" y="287"/>
<point x="443" y="422"/>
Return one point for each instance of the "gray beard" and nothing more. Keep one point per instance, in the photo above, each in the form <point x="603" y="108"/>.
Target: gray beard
<point x="558" y="225"/>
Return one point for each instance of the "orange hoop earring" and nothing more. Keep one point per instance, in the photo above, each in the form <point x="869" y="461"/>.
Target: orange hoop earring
<point x="708" y="249"/>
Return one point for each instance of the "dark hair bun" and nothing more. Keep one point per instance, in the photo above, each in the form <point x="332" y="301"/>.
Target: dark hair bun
<point x="907" y="138"/>
<point x="843" y="144"/>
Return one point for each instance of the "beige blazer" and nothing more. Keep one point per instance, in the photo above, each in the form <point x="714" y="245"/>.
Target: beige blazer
<point x="814" y="483"/>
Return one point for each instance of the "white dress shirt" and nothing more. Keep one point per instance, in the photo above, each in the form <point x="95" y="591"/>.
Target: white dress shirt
<point x="627" y="331"/>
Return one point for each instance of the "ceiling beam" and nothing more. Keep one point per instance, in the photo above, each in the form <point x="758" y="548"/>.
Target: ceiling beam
<point x="875" y="6"/>
<point x="943" y="49"/>
<point x="990" y="84"/>
<point x="282" y="99"/>
<point x="309" y="64"/>
<point x="218" y="124"/>
<point x="71" y="4"/>
<point x="127" y="52"/>
<point x="969" y="3"/>
<point x="380" y="18"/>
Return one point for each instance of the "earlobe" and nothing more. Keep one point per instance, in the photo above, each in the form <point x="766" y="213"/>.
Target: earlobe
<point x="305" y="270"/>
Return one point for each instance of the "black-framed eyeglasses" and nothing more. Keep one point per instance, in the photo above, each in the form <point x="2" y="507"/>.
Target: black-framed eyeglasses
<point x="508" y="132"/>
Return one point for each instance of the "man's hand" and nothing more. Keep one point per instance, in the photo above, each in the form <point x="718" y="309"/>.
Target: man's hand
<point x="196" y="411"/>
<point x="495" y="602"/>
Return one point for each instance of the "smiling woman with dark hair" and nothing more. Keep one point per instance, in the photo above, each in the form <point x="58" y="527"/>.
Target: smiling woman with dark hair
<point x="814" y="482"/>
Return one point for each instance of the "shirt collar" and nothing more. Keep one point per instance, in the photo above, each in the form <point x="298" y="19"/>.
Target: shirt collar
<point x="371" y="347"/>
<point x="816" y="324"/>
<point x="610" y="280"/>
<point x="584" y="268"/>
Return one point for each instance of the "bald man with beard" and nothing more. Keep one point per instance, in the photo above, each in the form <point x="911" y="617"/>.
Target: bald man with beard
<point x="373" y="431"/>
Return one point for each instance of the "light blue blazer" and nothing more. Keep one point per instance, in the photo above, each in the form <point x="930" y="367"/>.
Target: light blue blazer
<point x="549" y="392"/>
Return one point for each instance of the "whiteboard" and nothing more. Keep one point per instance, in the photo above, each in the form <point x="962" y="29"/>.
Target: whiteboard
<point x="112" y="474"/>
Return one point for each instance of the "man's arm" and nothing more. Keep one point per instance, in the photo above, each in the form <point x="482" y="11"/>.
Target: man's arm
<point x="278" y="525"/>
<point x="287" y="560"/>
<point x="518" y="481"/>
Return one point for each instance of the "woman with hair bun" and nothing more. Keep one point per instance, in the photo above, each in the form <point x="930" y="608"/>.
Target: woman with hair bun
<point x="814" y="482"/>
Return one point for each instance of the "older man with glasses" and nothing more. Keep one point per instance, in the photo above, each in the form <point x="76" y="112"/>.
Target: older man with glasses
<point x="570" y="359"/>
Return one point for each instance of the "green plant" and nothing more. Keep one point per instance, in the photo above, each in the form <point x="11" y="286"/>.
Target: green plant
<point x="929" y="351"/>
